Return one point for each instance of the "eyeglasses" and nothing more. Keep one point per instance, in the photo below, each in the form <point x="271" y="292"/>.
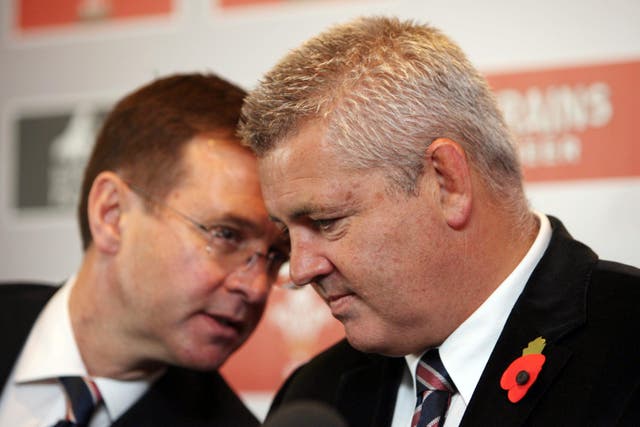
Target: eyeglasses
<point x="231" y="246"/>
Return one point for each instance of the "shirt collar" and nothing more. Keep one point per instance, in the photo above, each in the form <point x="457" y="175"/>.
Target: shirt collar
<point x="466" y="351"/>
<point x="51" y="351"/>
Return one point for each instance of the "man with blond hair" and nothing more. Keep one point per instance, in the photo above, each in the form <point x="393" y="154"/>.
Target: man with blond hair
<point x="383" y="154"/>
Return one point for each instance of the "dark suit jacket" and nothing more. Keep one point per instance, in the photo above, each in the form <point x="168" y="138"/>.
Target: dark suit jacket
<point x="180" y="397"/>
<point x="585" y="308"/>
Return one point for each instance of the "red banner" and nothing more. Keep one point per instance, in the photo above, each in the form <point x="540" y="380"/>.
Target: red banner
<point x="574" y="123"/>
<point x="41" y="14"/>
<point x="233" y="3"/>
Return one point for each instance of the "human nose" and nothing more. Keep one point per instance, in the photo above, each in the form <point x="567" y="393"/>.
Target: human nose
<point x="305" y="264"/>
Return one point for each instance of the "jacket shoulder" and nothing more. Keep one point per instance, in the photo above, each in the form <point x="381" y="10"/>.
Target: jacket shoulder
<point x="25" y="291"/>
<point x="21" y="302"/>
<point x="329" y="365"/>
<point x="186" y="397"/>
<point x="616" y="272"/>
<point x="614" y="289"/>
<point x="320" y="378"/>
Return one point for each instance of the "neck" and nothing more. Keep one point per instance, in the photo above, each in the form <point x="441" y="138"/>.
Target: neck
<point x="509" y="242"/>
<point x="491" y="248"/>
<point x="97" y="326"/>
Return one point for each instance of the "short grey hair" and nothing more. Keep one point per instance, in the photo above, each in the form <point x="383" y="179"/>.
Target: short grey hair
<point x="386" y="89"/>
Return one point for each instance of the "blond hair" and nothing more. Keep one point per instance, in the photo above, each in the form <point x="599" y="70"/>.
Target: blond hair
<point x="386" y="89"/>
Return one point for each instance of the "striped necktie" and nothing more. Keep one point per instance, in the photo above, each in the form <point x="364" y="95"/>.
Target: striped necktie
<point x="82" y="398"/>
<point x="434" y="391"/>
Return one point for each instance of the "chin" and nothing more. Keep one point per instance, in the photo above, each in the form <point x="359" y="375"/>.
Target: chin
<point x="204" y="364"/>
<point x="376" y="344"/>
<point x="366" y="344"/>
<point x="204" y="359"/>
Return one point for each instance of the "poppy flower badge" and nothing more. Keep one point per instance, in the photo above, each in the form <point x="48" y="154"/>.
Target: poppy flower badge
<point x="522" y="373"/>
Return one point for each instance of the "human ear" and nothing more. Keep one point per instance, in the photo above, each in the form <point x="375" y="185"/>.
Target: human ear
<point x="104" y="210"/>
<point x="453" y="177"/>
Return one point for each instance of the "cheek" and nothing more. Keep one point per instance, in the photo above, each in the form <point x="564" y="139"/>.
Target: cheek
<point x="198" y="278"/>
<point x="179" y="274"/>
<point x="378" y="245"/>
<point x="393" y="254"/>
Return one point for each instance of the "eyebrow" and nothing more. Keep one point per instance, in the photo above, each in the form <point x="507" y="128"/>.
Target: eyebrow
<point x="298" y="213"/>
<point x="310" y="209"/>
<point x="237" y="221"/>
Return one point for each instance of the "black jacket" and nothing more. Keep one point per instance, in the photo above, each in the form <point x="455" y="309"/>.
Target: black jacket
<point x="181" y="397"/>
<point x="585" y="308"/>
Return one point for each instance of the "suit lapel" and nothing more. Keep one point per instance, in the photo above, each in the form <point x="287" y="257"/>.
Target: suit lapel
<point x="163" y="404"/>
<point x="551" y="306"/>
<point x="489" y="398"/>
<point x="367" y="395"/>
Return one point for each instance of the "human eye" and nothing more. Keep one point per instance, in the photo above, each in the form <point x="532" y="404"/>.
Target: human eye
<point x="331" y="227"/>
<point x="225" y="237"/>
<point x="325" y="224"/>
<point x="284" y="231"/>
<point x="276" y="259"/>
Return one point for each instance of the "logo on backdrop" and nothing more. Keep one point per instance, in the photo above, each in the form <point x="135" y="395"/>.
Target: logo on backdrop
<point x="573" y="123"/>
<point x="52" y="150"/>
<point x="301" y="317"/>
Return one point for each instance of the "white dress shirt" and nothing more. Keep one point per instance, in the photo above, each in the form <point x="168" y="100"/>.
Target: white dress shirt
<point x="466" y="351"/>
<point x="33" y="397"/>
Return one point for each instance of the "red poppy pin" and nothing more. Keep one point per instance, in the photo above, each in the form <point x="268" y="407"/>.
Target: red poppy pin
<point x="523" y="371"/>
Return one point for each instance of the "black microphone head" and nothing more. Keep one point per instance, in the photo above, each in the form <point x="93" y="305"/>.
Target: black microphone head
<point x="305" y="413"/>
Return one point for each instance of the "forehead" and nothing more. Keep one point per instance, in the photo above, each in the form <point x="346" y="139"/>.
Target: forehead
<point x="211" y="163"/>
<point x="305" y="174"/>
<point x="220" y="179"/>
<point x="218" y="158"/>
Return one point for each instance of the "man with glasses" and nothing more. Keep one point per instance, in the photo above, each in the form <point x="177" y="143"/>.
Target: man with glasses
<point x="179" y="256"/>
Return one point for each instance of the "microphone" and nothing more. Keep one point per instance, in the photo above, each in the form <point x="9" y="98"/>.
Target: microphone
<point x="305" y="413"/>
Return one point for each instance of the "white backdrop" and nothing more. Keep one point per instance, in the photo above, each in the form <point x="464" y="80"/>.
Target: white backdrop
<point x="100" y="63"/>
<point x="107" y="60"/>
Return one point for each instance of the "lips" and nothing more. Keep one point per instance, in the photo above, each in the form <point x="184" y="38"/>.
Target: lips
<point x="236" y="324"/>
<point x="340" y="304"/>
<point x="336" y="297"/>
<point x="227" y="325"/>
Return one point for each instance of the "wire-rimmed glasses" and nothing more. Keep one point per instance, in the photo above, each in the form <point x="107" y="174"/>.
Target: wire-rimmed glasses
<point x="228" y="244"/>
